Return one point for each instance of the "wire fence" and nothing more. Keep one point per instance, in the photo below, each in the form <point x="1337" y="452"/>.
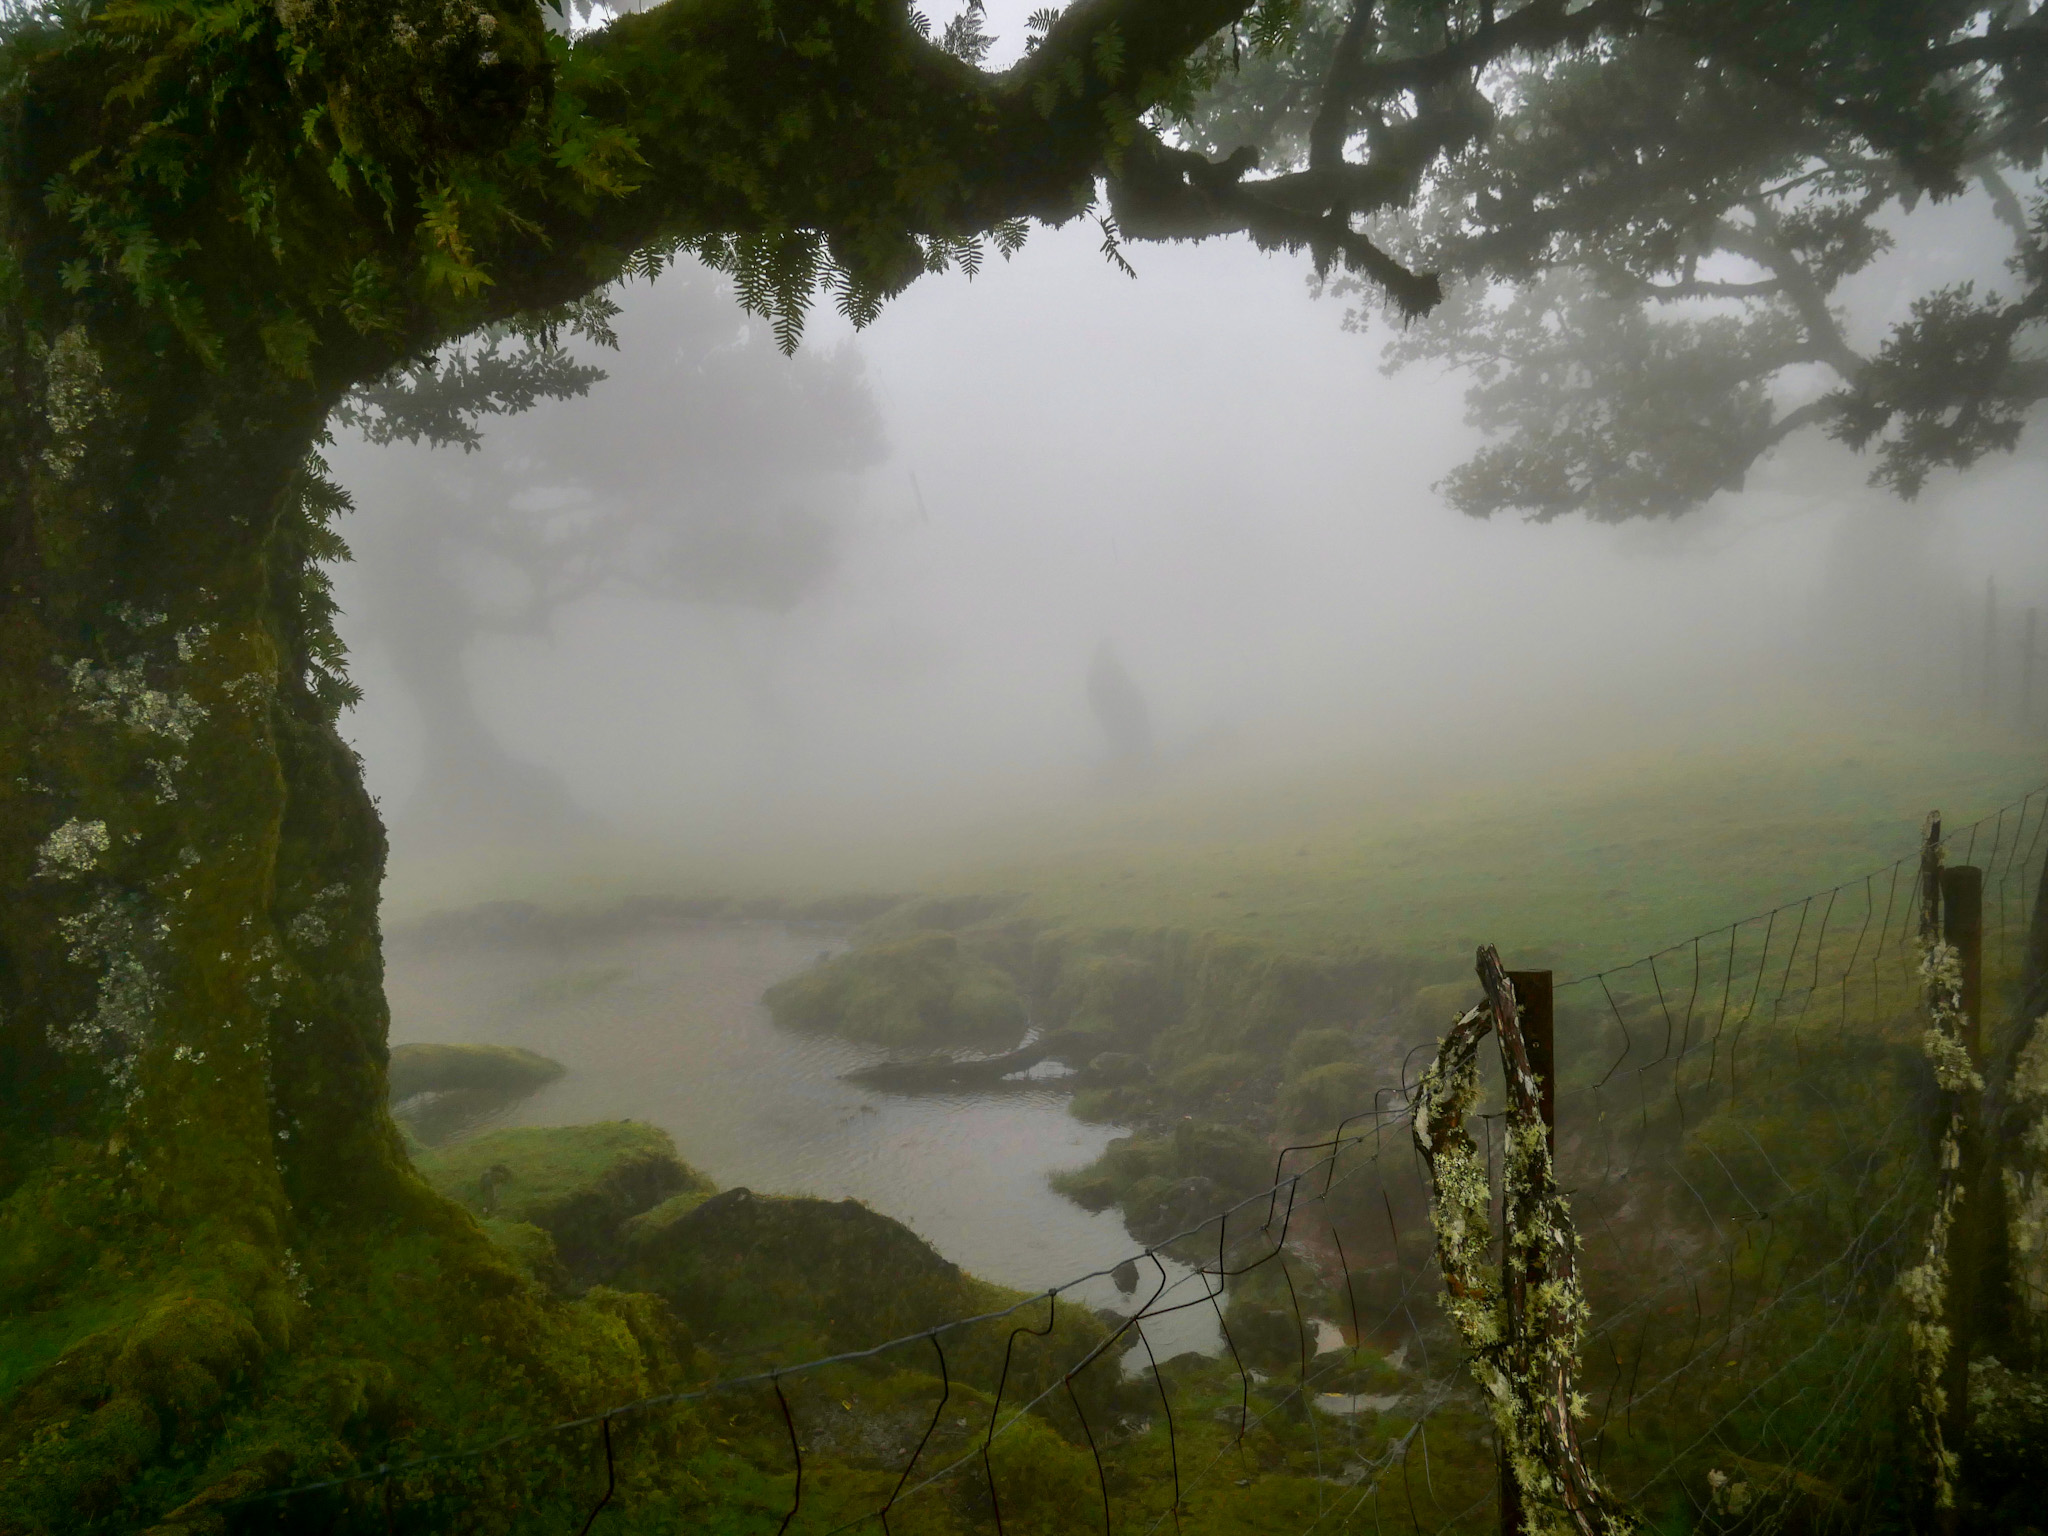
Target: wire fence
<point x="1742" y="1131"/>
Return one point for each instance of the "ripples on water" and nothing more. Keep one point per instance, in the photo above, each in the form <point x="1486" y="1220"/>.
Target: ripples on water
<point x="669" y="1028"/>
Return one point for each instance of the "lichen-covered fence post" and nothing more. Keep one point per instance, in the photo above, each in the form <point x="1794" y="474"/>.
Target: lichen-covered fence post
<point x="1926" y="1286"/>
<point x="1524" y="1334"/>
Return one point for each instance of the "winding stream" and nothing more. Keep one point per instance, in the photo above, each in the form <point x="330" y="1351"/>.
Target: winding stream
<point x="668" y="1027"/>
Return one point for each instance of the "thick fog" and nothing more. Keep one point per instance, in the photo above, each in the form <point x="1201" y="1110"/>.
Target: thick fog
<point x="1058" y="534"/>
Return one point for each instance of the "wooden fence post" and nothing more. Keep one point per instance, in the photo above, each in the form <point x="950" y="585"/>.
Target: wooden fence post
<point x="1539" y="1032"/>
<point x="1539" y="1036"/>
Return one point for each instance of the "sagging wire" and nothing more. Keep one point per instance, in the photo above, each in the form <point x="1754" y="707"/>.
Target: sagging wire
<point x="945" y="1396"/>
<point x="1052" y="1302"/>
<point x="611" y="1478"/>
<point x="796" y="1450"/>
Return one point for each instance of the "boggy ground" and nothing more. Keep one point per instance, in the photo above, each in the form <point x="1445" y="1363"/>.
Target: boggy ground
<point x="729" y="1283"/>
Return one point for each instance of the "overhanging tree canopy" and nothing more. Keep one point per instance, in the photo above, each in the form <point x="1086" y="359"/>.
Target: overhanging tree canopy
<point x="1645" y="257"/>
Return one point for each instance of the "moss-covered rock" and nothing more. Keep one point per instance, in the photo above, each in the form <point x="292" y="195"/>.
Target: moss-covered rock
<point x="577" y="1183"/>
<point x="502" y="1069"/>
<point x="751" y="1271"/>
<point x="438" y="1091"/>
<point x="776" y="1278"/>
<point x="922" y="988"/>
<point x="1168" y="1183"/>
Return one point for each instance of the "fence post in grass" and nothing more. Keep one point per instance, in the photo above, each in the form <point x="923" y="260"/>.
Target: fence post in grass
<point x="1539" y="1038"/>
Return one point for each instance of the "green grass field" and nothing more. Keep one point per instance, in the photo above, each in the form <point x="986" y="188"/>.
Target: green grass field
<point x="1576" y="869"/>
<point x="1572" y="860"/>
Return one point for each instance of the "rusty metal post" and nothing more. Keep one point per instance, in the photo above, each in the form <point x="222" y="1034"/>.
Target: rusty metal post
<point x="1539" y="1033"/>
<point x="1533" y="1005"/>
<point x="1962" y="925"/>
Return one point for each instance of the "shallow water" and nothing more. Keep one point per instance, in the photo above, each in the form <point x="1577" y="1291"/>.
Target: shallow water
<point x="669" y="1028"/>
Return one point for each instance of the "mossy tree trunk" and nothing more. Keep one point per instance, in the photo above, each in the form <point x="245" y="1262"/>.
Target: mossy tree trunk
<point x="193" y="976"/>
<point x="218" y="217"/>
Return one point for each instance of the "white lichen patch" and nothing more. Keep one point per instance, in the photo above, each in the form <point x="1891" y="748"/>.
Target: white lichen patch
<point x="140" y="620"/>
<point x="72" y="850"/>
<point x="165" y="771"/>
<point x="310" y="930"/>
<point x="121" y="938"/>
<point x="1523" y="1333"/>
<point x="73" y="399"/>
<point x="251" y="690"/>
<point x="189" y="639"/>
<point x="1924" y="1287"/>
<point x="122" y="695"/>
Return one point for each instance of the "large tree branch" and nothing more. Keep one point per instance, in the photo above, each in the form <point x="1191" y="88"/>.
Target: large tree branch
<point x="1332" y="124"/>
<point x="1163" y="193"/>
<point x="1538" y="27"/>
<point x="1808" y="298"/>
<point x="843" y="120"/>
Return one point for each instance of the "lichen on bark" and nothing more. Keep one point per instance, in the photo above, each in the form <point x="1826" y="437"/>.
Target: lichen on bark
<point x="1523" y="1332"/>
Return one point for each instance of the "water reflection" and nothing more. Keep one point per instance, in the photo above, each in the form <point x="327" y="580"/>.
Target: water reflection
<point x="668" y="1028"/>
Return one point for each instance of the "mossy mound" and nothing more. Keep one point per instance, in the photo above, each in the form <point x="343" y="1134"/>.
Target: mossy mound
<point x="1169" y="1182"/>
<point x="777" y="1278"/>
<point x="188" y="1372"/>
<point x="753" y="1271"/>
<point x="439" y="1091"/>
<point x="2003" y="1461"/>
<point x="923" y="988"/>
<point x="450" y="1068"/>
<point x="577" y="1183"/>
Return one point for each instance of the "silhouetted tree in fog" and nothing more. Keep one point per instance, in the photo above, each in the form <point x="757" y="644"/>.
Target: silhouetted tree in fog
<point x="704" y="467"/>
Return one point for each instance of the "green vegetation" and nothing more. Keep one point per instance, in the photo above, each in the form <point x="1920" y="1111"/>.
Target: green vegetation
<point x="1620" y="848"/>
<point x="438" y="1091"/>
<point x="473" y="1068"/>
<point x="1165" y="1183"/>
<point x="917" y="989"/>
<point x="577" y="1183"/>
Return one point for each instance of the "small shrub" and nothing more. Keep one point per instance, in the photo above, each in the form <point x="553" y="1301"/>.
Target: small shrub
<point x="1321" y="1097"/>
<point x="1314" y="1048"/>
